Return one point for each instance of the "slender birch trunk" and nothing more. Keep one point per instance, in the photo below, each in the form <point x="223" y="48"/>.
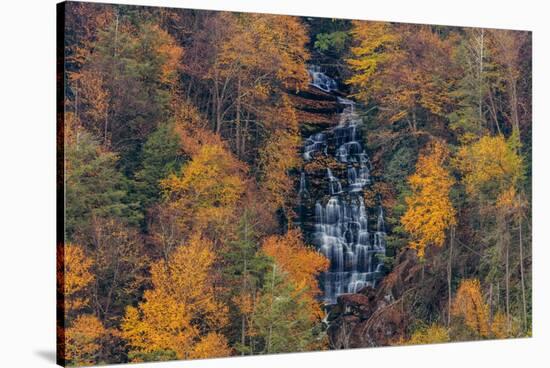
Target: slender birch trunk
<point x="449" y="275"/>
<point x="522" y="272"/>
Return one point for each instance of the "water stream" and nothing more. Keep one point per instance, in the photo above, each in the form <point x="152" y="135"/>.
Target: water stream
<point x="348" y="233"/>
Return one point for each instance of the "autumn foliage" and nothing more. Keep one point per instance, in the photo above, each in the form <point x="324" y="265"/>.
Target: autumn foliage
<point x="83" y="339"/>
<point x="302" y="264"/>
<point x="403" y="68"/>
<point x="181" y="313"/>
<point x="430" y="211"/>
<point x="207" y="189"/>
<point x="491" y="166"/>
<point x="184" y="233"/>
<point x="433" y="334"/>
<point x="77" y="276"/>
<point x="469" y="305"/>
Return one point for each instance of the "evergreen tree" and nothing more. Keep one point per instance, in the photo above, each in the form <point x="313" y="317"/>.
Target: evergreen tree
<point x="93" y="187"/>
<point x="161" y="157"/>
<point x="245" y="270"/>
<point x="281" y="319"/>
<point x="135" y="68"/>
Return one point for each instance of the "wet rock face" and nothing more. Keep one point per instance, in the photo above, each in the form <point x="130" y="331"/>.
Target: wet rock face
<point x="334" y="216"/>
<point x="379" y="316"/>
<point x="358" y="305"/>
<point x="364" y="320"/>
<point x="404" y="275"/>
<point x="333" y="213"/>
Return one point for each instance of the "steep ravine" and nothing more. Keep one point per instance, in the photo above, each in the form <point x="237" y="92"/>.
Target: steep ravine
<point x="343" y="227"/>
<point x="340" y="215"/>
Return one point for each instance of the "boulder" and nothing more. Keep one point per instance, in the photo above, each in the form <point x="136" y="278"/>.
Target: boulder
<point x="374" y="317"/>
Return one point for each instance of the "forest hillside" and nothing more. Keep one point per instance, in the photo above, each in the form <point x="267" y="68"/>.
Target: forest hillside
<point x="182" y="141"/>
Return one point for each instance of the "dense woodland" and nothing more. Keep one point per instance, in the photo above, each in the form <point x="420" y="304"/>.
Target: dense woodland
<point x="181" y="137"/>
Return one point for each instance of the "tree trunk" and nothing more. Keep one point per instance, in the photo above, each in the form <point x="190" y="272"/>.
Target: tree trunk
<point x="498" y="294"/>
<point x="116" y="36"/>
<point x="514" y="102"/>
<point x="409" y="123"/>
<point x="507" y="285"/>
<point x="271" y="311"/>
<point x="115" y="52"/>
<point x="493" y="110"/>
<point x="522" y="272"/>
<point x="245" y="133"/>
<point x="217" y="107"/>
<point x="76" y="120"/>
<point x="106" y="127"/>
<point x="491" y="304"/>
<point x="188" y="91"/>
<point x="238" y="118"/>
<point x="449" y="274"/>
<point x="481" y="45"/>
<point x="243" y="318"/>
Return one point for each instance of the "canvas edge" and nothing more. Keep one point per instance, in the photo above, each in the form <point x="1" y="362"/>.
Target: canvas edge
<point x="60" y="180"/>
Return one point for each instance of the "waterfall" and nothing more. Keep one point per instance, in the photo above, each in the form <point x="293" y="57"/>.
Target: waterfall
<point x="348" y="233"/>
<point x="321" y="80"/>
<point x="303" y="186"/>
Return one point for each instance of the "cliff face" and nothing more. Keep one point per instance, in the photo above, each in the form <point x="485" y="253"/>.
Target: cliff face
<point x="362" y="320"/>
<point x="335" y="218"/>
<point x="379" y="316"/>
<point x="374" y="316"/>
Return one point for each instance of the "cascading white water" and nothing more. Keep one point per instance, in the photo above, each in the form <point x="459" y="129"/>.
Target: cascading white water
<point x="341" y="229"/>
<point x="321" y="80"/>
<point x="303" y="186"/>
<point x="315" y="143"/>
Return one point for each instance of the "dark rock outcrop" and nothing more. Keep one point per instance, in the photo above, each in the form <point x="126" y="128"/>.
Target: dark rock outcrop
<point x="375" y="317"/>
<point x="364" y="321"/>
